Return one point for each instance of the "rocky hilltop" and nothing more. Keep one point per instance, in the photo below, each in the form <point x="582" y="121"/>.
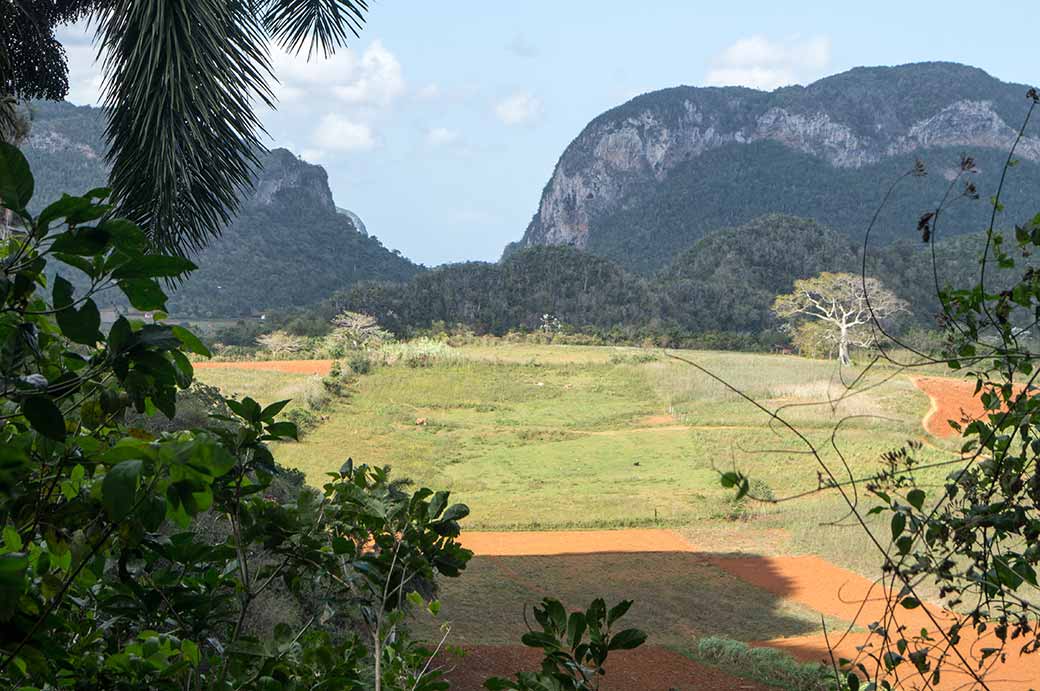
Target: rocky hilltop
<point x="288" y="246"/>
<point x="648" y="178"/>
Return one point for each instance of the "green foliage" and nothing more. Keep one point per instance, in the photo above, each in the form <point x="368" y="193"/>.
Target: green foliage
<point x="575" y="647"/>
<point x="169" y="68"/>
<point x="109" y="575"/>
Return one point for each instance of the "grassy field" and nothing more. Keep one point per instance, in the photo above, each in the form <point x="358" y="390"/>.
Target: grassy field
<point x="553" y="437"/>
<point x="544" y="437"/>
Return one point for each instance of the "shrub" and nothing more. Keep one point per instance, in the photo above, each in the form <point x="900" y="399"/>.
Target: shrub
<point x="304" y="420"/>
<point x="744" y="508"/>
<point x="360" y="363"/>
<point x="422" y="352"/>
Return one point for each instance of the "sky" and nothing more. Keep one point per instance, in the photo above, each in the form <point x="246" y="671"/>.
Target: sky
<point x="442" y="123"/>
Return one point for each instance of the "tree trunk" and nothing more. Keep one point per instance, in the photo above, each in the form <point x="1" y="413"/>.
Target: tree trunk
<point x="843" y="348"/>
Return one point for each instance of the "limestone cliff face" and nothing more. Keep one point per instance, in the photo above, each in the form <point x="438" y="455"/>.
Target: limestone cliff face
<point x="855" y="119"/>
<point x="284" y="172"/>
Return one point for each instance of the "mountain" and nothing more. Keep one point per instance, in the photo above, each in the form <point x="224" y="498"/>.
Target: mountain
<point x="288" y="246"/>
<point x="644" y="181"/>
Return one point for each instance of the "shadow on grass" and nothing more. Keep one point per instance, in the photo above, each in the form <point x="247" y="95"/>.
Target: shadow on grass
<point x="678" y="596"/>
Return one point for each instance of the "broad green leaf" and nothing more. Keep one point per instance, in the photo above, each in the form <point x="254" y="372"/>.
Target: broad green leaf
<point x="192" y="344"/>
<point x="119" y="488"/>
<point x="84" y="242"/>
<point x="144" y="293"/>
<point x="44" y="417"/>
<point x="80" y="325"/>
<point x="627" y="640"/>
<point x="16" y="180"/>
<point x="269" y="412"/>
<point x="153" y="266"/>
<point x="898" y="525"/>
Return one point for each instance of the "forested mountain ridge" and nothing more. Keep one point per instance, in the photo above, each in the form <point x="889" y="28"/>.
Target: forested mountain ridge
<point x="722" y="288"/>
<point x="647" y="179"/>
<point x="288" y="246"/>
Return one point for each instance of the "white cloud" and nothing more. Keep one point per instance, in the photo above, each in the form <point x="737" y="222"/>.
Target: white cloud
<point x="313" y="155"/>
<point x="761" y="63"/>
<point x="379" y="79"/>
<point x="337" y="133"/>
<point x="441" y="136"/>
<point x="376" y="79"/>
<point x="520" y="108"/>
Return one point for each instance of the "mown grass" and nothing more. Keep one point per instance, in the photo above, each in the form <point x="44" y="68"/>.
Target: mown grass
<point x="554" y="437"/>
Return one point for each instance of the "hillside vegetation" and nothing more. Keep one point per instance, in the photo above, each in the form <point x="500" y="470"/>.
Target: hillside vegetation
<point x="649" y="178"/>
<point x="288" y="247"/>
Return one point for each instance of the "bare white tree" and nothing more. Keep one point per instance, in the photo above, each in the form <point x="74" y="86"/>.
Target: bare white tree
<point x="840" y="301"/>
<point x="359" y="330"/>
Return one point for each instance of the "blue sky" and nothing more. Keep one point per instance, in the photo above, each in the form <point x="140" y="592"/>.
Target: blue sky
<point x="441" y="125"/>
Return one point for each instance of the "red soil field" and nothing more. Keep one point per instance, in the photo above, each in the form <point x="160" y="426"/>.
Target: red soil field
<point x="320" y="367"/>
<point x="951" y="400"/>
<point x="807" y="580"/>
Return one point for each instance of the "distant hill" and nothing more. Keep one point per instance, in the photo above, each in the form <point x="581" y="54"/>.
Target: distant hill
<point x="644" y="181"/>
<point x="724" y="285"/>
<point x="289" y="245"/>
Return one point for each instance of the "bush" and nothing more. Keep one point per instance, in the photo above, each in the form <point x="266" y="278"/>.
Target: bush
<point x="360" y="363"/>
<point x="422" y="352"/>
<point x="304" y="420"/>
<point x="744" y="509"/>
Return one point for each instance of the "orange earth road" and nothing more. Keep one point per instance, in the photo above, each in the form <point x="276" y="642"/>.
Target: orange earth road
<point x="321" y="367"/>
<point x="808" y="580"/>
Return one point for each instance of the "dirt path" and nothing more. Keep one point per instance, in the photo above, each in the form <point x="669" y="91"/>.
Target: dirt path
<point x="320" y="367"/>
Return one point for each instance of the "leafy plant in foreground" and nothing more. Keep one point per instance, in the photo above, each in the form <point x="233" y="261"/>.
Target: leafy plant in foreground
<point x="575" y="645"/>
<point x="140" y="559"/>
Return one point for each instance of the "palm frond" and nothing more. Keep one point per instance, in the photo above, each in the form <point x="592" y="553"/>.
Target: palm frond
<point x="321" y="23"/>
<point x="182" y="78"/>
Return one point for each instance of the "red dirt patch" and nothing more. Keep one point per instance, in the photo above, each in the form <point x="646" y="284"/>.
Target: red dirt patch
<point x="650" y="668"/>
<point x="952" y="399"/>
<point x="834" y="591"/>
<point x="320" y="367"/>
<point x="807" y="580"/>
<point x="513" y="544"/>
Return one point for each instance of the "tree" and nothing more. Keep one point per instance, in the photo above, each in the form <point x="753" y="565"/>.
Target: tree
<point x="845" y="302"/>
<point x="280" y="343"/>
<point x="182" y="81"/>
<point x="359" y="330"/>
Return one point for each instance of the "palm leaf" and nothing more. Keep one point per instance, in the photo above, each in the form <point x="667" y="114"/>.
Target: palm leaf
<point x="322" y="23"/>
<point x="182" y="78"/>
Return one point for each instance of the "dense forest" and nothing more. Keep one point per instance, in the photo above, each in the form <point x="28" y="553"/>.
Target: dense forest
<point x="719" y="292"/>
